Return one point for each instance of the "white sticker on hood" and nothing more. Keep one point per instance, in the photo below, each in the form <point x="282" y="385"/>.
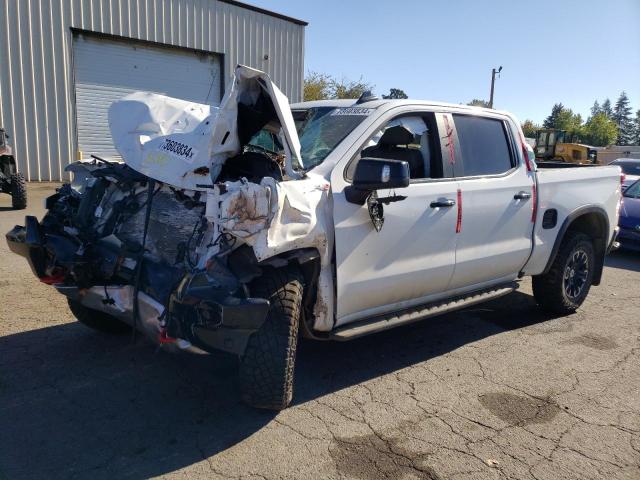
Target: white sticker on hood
<point x="178" y="150"/>
<point x="352" y="111"/>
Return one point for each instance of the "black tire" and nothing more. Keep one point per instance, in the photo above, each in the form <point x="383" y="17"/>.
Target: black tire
<point x="96" y="320"/>
<point x="563" y="289"/>
<point x="267" y="366"/>
<point x="18" y="191"/>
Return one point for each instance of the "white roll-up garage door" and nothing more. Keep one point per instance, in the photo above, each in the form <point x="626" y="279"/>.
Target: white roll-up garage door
<point x="106" y="70"/>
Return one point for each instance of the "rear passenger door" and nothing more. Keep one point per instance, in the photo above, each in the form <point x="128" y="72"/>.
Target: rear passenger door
<point x="496" y="193"/>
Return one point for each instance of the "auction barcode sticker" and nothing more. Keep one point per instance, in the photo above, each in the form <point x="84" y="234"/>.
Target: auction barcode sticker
<point x="179" y="150"/>
<point x="352" y="111"/>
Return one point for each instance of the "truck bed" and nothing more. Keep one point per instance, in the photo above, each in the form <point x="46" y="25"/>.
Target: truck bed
<point x="571" y="192"/>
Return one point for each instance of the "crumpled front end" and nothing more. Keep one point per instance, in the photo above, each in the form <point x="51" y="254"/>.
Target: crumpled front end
<point x="121" y="239"/>
<point x="173" y="249"/>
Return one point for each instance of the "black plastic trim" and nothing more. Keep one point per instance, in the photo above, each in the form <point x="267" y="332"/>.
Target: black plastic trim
<point x="565" y="226"/>
<point x="513" y="155"/>
<point x="550" y="219"/>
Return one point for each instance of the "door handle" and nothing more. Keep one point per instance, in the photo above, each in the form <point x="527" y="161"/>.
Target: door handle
<point x="443" y="203"/>
<point x="522" y="196"/>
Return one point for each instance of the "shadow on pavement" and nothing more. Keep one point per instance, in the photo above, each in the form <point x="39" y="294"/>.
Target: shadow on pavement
<point x="624" y="259"/>
<point x="75" y="404"/>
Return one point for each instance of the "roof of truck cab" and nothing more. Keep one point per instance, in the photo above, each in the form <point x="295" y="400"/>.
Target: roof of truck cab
<point x="342" y="103"/>
<point x="324" y="103"/>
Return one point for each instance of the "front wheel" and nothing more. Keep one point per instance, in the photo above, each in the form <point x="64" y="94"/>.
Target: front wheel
<point x="266" y="368"/>
<point x="18" y="191"/>
<point x="563" y="289"/>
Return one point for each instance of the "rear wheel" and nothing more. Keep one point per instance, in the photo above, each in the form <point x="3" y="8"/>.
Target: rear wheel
<point x="18" y="191"/>
<point x="96" y="320"/>
<point x="267" y="366"/>
<point x="563" y="289"/>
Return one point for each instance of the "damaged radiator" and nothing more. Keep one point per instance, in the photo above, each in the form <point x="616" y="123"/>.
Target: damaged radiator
<point x="172" y="225"/>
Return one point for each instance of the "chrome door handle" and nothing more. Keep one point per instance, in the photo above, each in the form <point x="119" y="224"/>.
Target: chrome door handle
<point x="443" y="203"/>
<point x="522" y="196"/>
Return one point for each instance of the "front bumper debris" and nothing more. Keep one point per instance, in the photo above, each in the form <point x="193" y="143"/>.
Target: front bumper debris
<point x="28" y="242"/>
<point x="203" y="310"/>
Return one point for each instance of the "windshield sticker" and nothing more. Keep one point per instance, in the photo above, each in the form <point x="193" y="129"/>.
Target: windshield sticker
<point x="179" y="150"/>
<point x="352" y="111"/>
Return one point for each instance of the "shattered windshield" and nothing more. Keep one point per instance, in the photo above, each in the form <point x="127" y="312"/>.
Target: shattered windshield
<point x="266" y="141"/>
<point x="323" y="128"/>
<point x="320" y="130"/>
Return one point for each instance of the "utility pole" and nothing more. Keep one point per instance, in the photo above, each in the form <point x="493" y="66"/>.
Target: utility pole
<point x="493" y="81"/>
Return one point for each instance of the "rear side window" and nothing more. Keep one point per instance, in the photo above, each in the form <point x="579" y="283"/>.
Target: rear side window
<point x="484" y="144"/>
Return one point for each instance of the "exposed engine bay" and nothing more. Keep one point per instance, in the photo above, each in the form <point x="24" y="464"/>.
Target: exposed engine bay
<point x="171" y="240"/>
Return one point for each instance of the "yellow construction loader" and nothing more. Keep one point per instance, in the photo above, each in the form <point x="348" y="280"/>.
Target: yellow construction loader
<point x="558" y="145"/>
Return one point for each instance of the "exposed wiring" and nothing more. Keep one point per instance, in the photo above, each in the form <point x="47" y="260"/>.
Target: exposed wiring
<point x="136" y="286"/>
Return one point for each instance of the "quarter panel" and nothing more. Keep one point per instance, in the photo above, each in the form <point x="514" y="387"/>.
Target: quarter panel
<point x="567" y="190"/>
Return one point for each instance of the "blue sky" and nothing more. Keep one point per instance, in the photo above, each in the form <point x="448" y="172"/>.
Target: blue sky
<point x="569" y="51"/>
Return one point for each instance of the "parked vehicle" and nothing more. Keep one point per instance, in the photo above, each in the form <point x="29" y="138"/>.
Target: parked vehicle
<point x="11" y="181"/>
<point x="239" y="228"/>
<point x="559" y="145"/>
<point x="629" y="236"/>
<point x="630" y="168"/>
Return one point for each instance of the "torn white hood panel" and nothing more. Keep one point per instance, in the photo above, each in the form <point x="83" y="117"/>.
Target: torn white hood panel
<point x="164" y="138"/>
<point x="185" y="144"/>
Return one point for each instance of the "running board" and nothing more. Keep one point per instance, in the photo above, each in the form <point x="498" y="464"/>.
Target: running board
<point x="414" y="314"/>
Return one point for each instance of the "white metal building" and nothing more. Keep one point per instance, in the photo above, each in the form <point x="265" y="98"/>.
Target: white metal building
<point x="62" y="62"/>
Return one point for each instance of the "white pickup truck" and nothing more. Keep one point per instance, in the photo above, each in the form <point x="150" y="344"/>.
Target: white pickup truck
<point x="241" y="227"/>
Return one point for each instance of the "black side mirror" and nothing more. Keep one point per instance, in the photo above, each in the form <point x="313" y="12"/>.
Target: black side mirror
<point x="375" y="174"/>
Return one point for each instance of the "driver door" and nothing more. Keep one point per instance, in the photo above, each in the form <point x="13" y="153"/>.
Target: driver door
<point x="411" y="260"/>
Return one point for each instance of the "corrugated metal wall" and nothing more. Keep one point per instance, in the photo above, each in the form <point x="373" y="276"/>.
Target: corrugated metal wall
<point x="36" y="73"/>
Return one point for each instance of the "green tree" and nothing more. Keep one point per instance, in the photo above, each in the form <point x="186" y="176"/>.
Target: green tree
<point x="476" y="102"/>
<point x="606" y="108"/>
<point x="317" y="86"/>
<point x="552" y="120"/>
<point x="600" y="130"/>
<point x="569" y="121"/>
<point x="349" y="88"/>
<point x="562" y="118"/>
<point x="530" y="129"/>
<point x="395" y="93"/>
<point x="637" y="128"/>
<point x="596" y="108"/>
<point x="322" y="86"/>
<point x="622" y="117"/>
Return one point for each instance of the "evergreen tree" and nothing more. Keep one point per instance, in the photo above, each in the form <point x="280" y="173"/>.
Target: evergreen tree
<point x="562" y="118"/>
<point x="596" y="108"/>
<point x="600" y="130"/>
<point x="552" y="120"/>
<point x="606" y="108"/>
<point x="637" y="129"/>
<point x="622" y="117"/>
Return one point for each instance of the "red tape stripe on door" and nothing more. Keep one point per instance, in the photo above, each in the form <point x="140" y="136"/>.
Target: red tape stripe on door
<point x="459" y="221"/>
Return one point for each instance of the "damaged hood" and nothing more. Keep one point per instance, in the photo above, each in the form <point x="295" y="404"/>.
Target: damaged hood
<point x="185" y="144"/>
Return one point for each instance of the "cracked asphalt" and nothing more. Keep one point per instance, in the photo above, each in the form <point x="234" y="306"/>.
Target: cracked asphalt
<point x="498" y="391"/>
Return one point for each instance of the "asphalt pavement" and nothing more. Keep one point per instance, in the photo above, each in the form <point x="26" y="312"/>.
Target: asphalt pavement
<point x="501" y="391"/>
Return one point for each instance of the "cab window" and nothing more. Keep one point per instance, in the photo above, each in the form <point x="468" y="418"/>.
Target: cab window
<point x="409" y="138"/>
<point x="484" y="144"/>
